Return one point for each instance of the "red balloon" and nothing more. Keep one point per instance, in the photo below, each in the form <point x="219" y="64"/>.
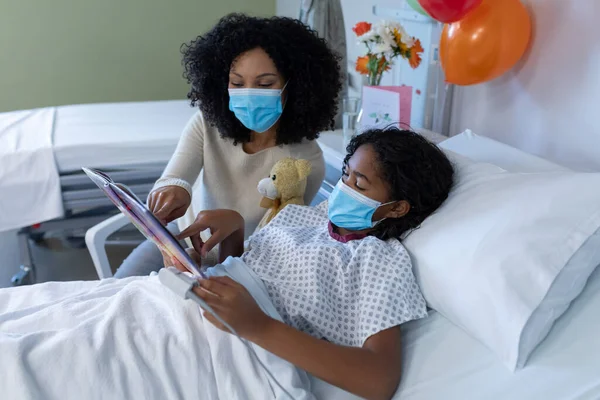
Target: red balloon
<point x="449" y="11"/>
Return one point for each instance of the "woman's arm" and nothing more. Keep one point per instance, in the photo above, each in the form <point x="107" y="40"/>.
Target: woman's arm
<point x="226" y="227"/>
<point x="187" y="161"/>
<point x="171" y="195"/>
<point x="372" y="371"/>
<point x="232" y="246"/>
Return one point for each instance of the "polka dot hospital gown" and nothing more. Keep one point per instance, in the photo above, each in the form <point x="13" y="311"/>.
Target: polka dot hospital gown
<point x="341" y="292"/>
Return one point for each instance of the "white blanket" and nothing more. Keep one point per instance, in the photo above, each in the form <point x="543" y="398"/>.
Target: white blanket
<point x="29" y="180"/>
<point x="130" y="339"/>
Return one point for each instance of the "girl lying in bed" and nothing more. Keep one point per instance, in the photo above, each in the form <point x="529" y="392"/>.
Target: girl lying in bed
<point x="324" y="289"/>
<point x="337" y="272"/>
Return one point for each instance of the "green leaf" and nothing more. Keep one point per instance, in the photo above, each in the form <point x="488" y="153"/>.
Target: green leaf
<point x="373" y="115"/>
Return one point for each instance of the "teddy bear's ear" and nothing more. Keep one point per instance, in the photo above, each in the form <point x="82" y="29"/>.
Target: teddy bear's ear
<point x="303" y="167"/>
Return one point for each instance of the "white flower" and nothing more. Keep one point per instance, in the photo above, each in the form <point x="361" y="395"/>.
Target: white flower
<point x="409" y="41"/>
<point x="382" y="48"/>
<point x="405" y="38"/>
<point x="386" y="40"/>
<point x="381" y="29"/>
<point x="367" y="37"/>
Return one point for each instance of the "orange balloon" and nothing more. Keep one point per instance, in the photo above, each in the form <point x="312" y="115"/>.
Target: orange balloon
<point x="486" y="43"/>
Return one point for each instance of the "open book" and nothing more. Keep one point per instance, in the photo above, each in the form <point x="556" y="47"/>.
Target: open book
<point x="142" y="218"/>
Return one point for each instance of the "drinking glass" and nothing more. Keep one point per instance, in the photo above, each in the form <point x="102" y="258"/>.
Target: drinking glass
<point x="350" y="114"/>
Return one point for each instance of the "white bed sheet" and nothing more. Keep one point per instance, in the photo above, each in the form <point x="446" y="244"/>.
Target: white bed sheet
<point x="37" y="145"/>
<point x="29" y="181"/>
<point x="440" y="361"/>
<point x="118" y="134"/>
<point x="131" y="339"/>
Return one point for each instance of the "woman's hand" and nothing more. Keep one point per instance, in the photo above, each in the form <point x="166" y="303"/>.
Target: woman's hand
<point x="223" y="224"/>
<point x="232" y="302"/>
<point x="169" y="203"/>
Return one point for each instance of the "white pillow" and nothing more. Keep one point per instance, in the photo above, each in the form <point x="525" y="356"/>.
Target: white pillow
<point x="507" y="253"/>
<point x="483" y="149"/>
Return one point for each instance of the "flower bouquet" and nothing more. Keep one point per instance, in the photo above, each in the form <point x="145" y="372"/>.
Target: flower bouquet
<point x="385" y="41"/>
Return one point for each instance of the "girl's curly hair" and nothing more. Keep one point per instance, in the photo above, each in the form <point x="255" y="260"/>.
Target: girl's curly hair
<point x="414" y="169"/>
<point x="305" y="61"/>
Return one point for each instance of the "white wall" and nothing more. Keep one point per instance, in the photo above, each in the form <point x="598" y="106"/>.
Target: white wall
<point x="550" y="104"/>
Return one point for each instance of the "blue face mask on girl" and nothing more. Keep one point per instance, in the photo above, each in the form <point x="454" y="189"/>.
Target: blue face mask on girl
<point x="350" y="209"/>
<point x="257" y="109"/>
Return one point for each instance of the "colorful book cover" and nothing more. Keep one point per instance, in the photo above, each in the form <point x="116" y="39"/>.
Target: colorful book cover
<point x="128" y="203"/>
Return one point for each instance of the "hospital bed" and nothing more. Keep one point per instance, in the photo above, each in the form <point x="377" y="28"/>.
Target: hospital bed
<point x="440" y="360"/>
<point x="42" y="152"/>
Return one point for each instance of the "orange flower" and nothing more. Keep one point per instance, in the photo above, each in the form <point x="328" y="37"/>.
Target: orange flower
<point x="417" y="46"/>
<point x="415" y="54"/>
<point x="362" y="65"/>
<point x="380" y="68"/>
<point x="361" y="28"/>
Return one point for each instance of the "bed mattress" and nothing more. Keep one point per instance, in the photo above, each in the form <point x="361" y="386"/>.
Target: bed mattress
<point x="118" y="134"/>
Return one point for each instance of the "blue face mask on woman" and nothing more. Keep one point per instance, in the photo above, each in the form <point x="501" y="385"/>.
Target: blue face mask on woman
<point x="350" y="209"/>
<point x="257" y="109"/>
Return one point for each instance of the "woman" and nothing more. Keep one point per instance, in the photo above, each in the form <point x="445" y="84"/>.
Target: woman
<point x="265" y="89"/>
<point x="323" y="288"/>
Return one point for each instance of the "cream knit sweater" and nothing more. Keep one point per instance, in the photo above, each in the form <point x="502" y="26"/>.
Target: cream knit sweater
<point x="220" y="175"/>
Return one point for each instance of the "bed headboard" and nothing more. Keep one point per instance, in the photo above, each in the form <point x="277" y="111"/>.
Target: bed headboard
<point x="549" y="105"/>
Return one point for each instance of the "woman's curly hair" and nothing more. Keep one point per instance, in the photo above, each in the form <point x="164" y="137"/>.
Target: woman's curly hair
<point x="305" y="61"/>
<point x="414" y="169"/>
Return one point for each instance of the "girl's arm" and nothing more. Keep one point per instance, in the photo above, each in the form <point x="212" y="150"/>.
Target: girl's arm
<point x="371" y="371"/>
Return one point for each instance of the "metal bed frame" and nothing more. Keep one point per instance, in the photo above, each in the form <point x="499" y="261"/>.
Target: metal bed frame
<point x="85" y="206"/>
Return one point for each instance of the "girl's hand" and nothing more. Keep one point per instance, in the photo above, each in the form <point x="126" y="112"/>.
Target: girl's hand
<point x="222" y="224"/>
<point x="232" y="302"/>
<point x="169" y="203"/>
<point x="169" y="261"/>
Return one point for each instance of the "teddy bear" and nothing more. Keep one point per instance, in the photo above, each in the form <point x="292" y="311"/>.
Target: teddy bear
<point x="285" y="185"/>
